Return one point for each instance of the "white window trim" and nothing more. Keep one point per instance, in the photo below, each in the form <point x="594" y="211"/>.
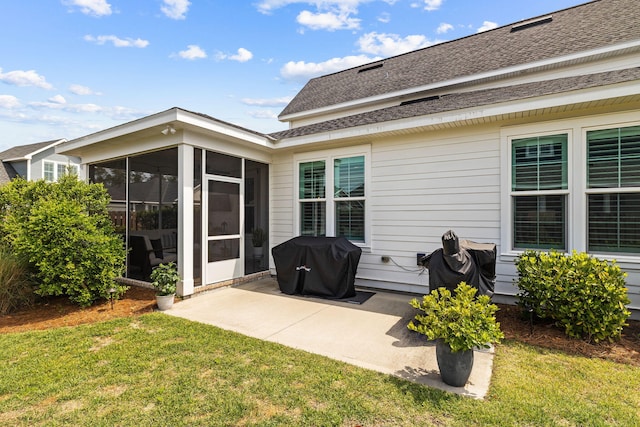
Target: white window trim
<point x="576" y="130"/>
<point x="55" y="168"/>
<point x="586" y="191"/>
<point x="507" y="138"/>
<point x="328" y="156"/>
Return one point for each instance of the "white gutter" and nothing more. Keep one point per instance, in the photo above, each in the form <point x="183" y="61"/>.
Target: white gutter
<point x="473" y="113"/>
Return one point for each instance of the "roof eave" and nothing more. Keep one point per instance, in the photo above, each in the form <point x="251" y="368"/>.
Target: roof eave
<point x="30" y="155"/>
<point x="472" y="114"/>
<point x="174" y="116"/>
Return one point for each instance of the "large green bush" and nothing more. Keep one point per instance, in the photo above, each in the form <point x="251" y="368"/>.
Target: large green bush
<point x="16" y="290"/>
<point x="582" y="294"/>
<point x="63" y="230"/>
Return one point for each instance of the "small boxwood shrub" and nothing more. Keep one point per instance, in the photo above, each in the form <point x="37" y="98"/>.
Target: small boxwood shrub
<point x="582" y="294"/>
<point x="16" y="290"/>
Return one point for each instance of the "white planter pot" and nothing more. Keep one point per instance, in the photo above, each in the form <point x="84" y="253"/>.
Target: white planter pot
<point x="164" y="302"/>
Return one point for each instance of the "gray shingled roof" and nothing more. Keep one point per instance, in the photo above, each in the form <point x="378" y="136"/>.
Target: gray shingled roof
<point x="457" y="101"/>
<point x="592" y="25"/>
<point x="21" y="151"/>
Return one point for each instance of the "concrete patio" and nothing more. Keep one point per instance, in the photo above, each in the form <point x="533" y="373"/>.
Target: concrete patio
<point x="372" y="335"/>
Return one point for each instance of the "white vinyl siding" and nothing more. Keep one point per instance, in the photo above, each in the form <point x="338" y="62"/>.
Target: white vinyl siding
<point x="421" y="185"/>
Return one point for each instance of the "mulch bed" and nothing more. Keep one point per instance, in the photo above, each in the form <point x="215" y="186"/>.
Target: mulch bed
<point x="57" y="312"/>
<point x="545" y="334"/>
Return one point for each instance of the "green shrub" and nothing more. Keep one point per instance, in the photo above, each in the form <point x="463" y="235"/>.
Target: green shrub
<point x="580" y="293"/>
<point x="16" y="290"/>
<point x="63" y="230"/>
<point x="460" y="319"/>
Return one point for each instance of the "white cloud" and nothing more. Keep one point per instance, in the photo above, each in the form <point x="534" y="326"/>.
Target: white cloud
<point x="384" y="17"/>
<point x="58" y="99"/>
<point x="432" y="5"/>
<point x="303" y="71"/>
<point x="330" y="21"/>
<point x="192" y="53"/>
<point x="9" y="101"/>
<point x="263" y="114"/>
<point x="117" y="41"/>
<point x="392" y="44"/>
<point x="272" y="102"/>
<point x="487" y="25"/>
<point x="84" y="108"/>
<point x="82" y="90"/>
<point x="24" y="78"/>
<point x="444" y="28"/>
<point x="175" y="9"/>
<point x="243" y="55"/>
<point x="328" y="15"/>
<point x="91" y="7"/>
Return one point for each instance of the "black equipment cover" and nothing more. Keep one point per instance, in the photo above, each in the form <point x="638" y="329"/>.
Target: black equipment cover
<point x="322" y="266"/>
<point x="466" y="261"/>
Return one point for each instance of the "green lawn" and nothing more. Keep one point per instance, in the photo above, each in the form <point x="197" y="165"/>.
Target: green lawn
<point x="161" y="370"/>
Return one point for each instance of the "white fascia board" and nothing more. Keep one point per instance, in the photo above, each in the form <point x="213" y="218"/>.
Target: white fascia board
<point x="222" y="128"/>
<point x="54" y="144"/>
<point x="474" y="113"/>
<point x="502" y="72"/>
<point x="172" y="116"/>
<point x="30" y="155"/>
<point x="138" y="125"/>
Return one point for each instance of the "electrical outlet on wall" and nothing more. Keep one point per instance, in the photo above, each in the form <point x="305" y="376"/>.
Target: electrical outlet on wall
<point x="419" y="256"/>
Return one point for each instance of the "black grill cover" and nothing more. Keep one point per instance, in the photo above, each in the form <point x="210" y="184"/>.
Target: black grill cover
<point x="322" y="266"/>
<point x="471" y="262"/>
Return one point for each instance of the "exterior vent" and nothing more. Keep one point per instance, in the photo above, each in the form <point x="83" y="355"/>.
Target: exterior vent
<point x="372" y="67"/>
<point x="532" y="23"/>
<point x="415" y="101"/>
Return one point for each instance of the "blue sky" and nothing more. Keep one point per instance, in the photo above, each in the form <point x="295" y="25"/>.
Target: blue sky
<point x="69" y="68"/>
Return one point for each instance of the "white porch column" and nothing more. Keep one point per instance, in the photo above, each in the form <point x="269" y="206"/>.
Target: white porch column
<point x="185" y="220"/>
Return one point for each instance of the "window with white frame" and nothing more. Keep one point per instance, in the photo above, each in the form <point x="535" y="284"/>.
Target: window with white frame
<point x="332" y="196"/>
<point x="52" y="171"/>
<point x="539" y="192"/>
<point x="49" y="171"/>
<point x="613" y="190"/>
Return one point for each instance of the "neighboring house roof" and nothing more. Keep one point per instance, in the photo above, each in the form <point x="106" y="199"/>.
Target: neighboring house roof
<point x="23" y="152"/>
<point x="457" y="101"/>
<point x="593" y="25"/>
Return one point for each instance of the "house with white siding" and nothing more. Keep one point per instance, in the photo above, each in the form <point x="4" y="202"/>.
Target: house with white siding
<point x="36" y="161"/>
<point x="526" y="136"/>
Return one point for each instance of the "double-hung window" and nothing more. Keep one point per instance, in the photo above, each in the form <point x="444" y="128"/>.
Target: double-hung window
<point x="53" y="171"/>
<point x="613" y="190"/>
<point x="332" y="196"/>
<point x="539" y="191"/>
<point x="49" y="171"/>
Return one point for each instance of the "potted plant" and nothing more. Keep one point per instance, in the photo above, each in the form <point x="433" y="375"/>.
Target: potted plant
<point x="459" y="323"/>
<point x="258" y="239"/>
<point x="164" y="279"/>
